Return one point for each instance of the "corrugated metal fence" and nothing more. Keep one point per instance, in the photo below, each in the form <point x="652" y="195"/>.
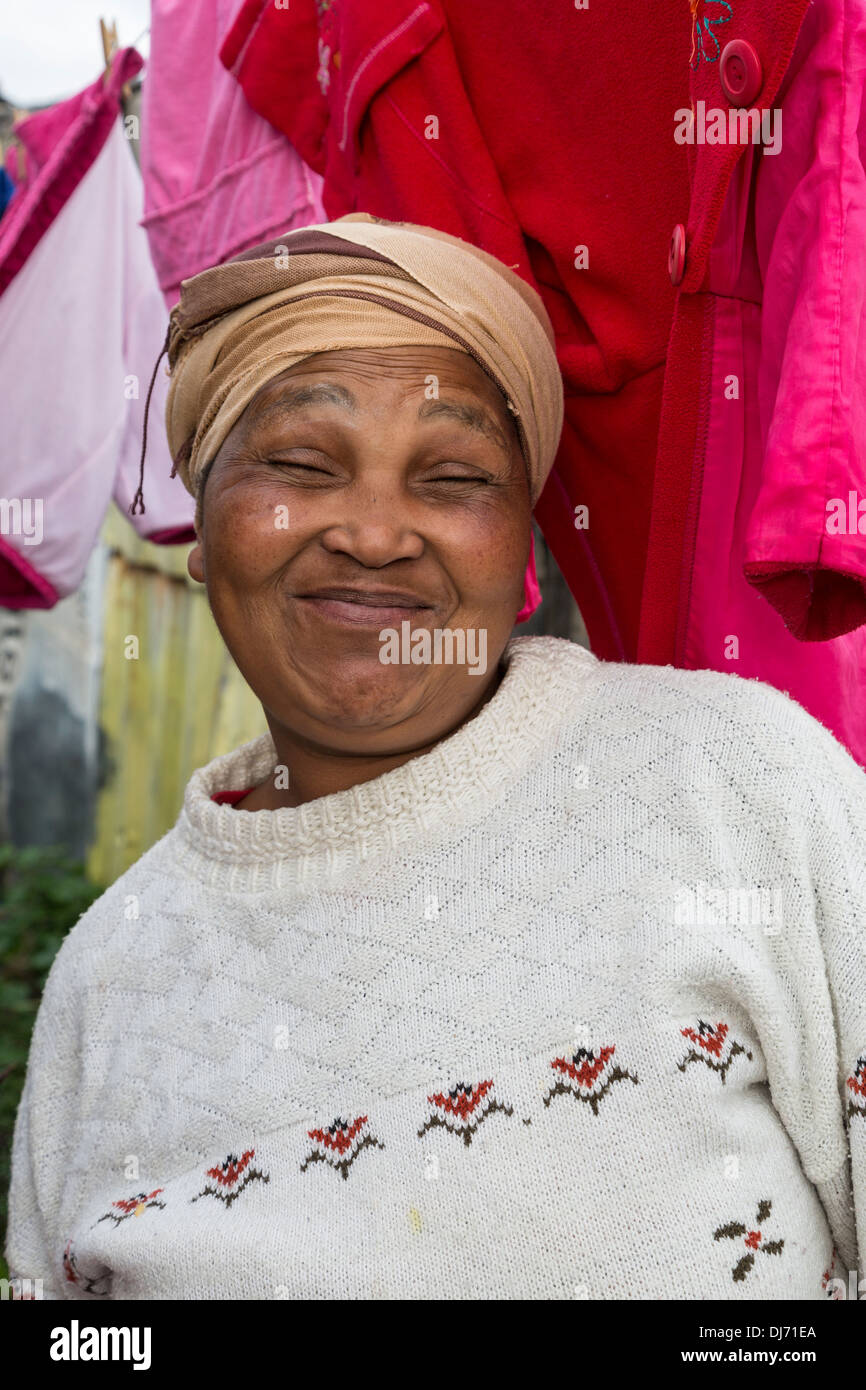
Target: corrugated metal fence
<point x="171" y="699"/>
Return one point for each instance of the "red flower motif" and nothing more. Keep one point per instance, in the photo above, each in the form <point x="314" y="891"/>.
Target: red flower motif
<point x="584" y="1068"/>
<point x="231" y="1177"/>
<point x="753" y="1240"/>
<point x="712" y="1047"/>
<point x="857" y="1086"/>
<point x="828" y="1274"/>
<point x="136" y="1204"/>
<point x="463" y="1099"/>
<point x="132" y="1206"/>
<point x="229" y="1172"/>
<point x="591" y="1073"/>
<point x="339" y="1136"/>
<point x="710" y="1039"/>
<point x="339" y="1145"/>
<point x="467" y="1106"/>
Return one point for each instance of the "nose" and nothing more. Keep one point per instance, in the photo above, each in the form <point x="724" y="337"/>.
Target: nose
<point x="375" y="527"/>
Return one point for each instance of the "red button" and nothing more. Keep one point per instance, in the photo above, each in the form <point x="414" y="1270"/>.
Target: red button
<point x="740" y="73"/>
<point x="677" y="254"/>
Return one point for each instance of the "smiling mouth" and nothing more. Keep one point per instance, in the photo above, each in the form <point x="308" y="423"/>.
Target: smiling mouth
<point x="358" y="609"/>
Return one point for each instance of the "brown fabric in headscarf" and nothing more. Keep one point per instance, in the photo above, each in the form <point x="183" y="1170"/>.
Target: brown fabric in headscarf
<point x="354" y="283"/>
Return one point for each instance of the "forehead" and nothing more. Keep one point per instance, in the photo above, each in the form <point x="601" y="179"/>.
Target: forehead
<point x="378" y="373"/>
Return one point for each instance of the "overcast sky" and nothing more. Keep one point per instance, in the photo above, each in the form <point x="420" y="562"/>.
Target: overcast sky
<point x="51" y="49"/>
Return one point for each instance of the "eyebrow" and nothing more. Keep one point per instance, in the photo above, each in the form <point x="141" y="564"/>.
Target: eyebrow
<point x="470" y="415"/>
<point x="295" y="398"/>
<point x="329" y="393"/>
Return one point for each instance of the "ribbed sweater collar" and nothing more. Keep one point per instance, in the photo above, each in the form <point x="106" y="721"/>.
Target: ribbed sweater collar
<point x="421" y="802"/>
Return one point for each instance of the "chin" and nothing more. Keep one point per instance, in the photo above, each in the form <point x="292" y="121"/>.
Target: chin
<point x="365" y="698"/>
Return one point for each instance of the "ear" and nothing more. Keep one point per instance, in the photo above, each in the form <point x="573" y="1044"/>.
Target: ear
<point x="195" y="563"/>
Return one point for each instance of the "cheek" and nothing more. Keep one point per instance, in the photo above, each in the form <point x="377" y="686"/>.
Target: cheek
<point x="248" y="535"/>
<point x="254" y="530"/>
<point x="483" y="545"/>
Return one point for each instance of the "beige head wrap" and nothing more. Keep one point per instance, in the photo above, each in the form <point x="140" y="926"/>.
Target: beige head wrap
<point x="353" y="283"/>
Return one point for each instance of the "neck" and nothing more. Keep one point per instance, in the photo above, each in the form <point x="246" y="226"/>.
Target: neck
<point x="315" y="771"/>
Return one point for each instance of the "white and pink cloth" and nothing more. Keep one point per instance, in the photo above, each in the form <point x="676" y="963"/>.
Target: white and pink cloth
<point x="82" y="322"/>
<point x="92" y="253"/>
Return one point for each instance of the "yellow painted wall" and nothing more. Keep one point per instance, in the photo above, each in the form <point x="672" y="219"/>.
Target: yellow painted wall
<point x="181" y="703"/>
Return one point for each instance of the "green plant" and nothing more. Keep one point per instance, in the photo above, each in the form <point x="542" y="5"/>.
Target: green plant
<point x="42" y="894"/>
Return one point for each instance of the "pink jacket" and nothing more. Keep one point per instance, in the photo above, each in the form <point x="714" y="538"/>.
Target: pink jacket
<point x="772" y="571"/>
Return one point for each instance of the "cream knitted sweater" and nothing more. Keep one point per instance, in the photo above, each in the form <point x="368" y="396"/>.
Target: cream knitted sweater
<point x="572" y="1006"/>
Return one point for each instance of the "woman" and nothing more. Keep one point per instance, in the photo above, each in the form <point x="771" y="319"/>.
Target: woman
<point x="514" y="974"/>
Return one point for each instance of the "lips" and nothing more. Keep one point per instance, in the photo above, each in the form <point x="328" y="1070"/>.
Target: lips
<point x="372" y="598"/>
<point x="365" y="607"/>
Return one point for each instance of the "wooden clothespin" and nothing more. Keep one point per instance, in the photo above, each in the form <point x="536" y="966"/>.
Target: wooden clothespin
<point x="110" y="46"/>
<point x="109" y="43"/>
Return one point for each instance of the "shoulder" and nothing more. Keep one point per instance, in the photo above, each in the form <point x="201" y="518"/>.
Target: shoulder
<point x="693" y="701"/>
<point x="707" y="726"/>
<point x="669" y="693"/>
<point x="155" y="892"/>
<point x="747" y="737"/>
<point x="115" y="924"/>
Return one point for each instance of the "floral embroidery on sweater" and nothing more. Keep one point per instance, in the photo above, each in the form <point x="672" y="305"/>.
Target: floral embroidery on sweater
<point x="712" y="1047"/>
<point x="857" y="1086"/>
<point x="753" y="1240"/>
<point x="588" y="1076"/>
<point x="231" y="1178"/>
<point x="704" y="42"/>
<point x="340" y="1144"/>
<point x="829" y="1273"/>
<point x="462" y="1110"/>
<point x="75" y="1276"/>
<point x="132" y="1206"/>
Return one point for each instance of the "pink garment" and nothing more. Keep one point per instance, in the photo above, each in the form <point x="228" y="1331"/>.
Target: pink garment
<point x="787" y="276"/>
<point x="218" y="178"/>
<point x="82" y="321"/>
<point x="59" y="145"/>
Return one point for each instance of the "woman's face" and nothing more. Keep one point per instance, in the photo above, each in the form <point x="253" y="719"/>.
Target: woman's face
<point x="390" y="469"/>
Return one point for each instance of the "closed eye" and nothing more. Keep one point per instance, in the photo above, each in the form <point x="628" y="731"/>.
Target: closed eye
<point x="459" y="478"/>
<point x="290" y="463"/>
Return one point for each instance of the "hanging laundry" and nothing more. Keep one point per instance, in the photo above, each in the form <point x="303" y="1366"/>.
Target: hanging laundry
<point x="687" y="512"/>
<point x="54" y="150"/>
<point x="82" y="322"/>
<point x="218" y="178"/>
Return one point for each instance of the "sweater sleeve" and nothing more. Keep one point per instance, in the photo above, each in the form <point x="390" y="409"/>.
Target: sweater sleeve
<point x="45" y="1127"/>
<point x="27" y="1243"/>
<point x="831" y="1019"/>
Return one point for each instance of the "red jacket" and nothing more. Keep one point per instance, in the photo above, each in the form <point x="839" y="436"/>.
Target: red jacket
<point x="549" y="140"/>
